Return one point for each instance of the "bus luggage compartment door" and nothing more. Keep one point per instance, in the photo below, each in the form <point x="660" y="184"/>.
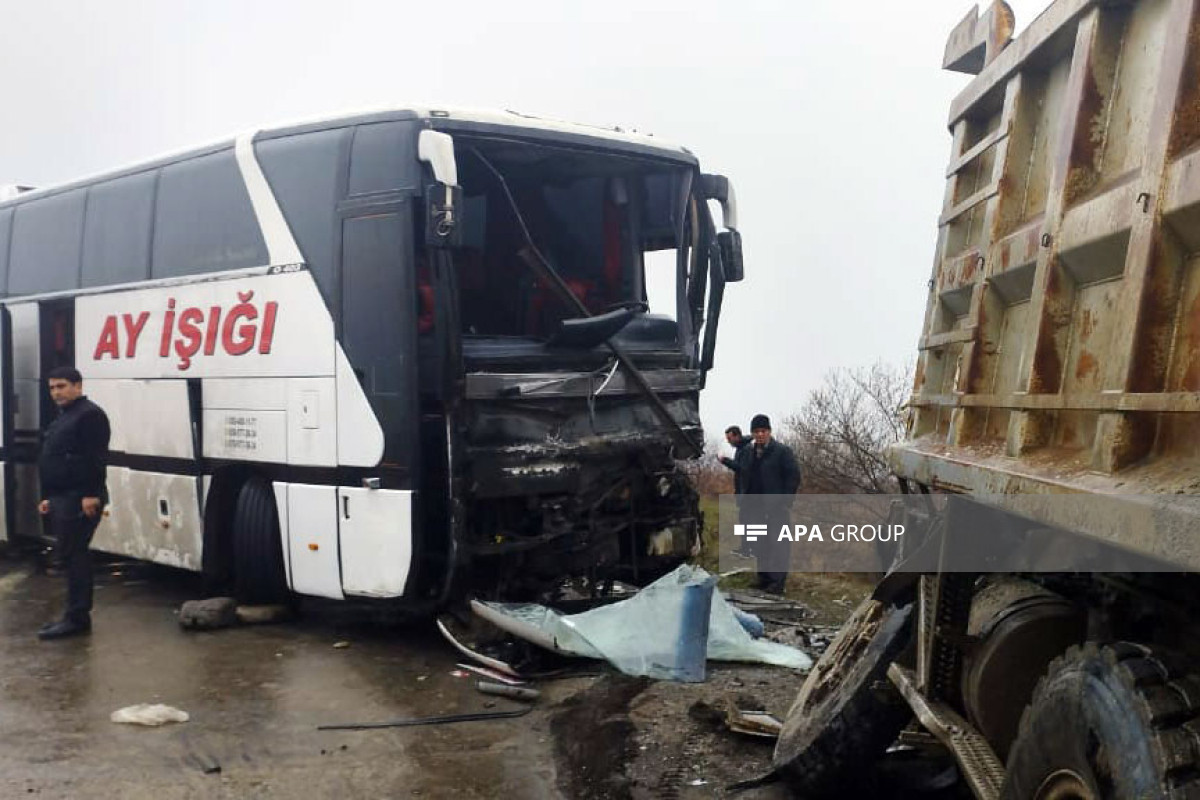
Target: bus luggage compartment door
<point x="375" y="533"/>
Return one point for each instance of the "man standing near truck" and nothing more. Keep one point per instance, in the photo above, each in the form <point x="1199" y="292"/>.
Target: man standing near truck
<point x="769" y="478"/>
<point x="72" y="471"/>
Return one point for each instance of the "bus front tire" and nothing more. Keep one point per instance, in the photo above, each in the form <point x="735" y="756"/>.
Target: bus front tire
<point x="258" y="567"/>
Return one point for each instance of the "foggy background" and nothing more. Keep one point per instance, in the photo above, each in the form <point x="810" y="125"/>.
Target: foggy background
<point x="828" y="116"/>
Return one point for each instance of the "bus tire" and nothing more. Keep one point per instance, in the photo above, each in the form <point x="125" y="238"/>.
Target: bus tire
<point x="258" y="567"/>
<point x="847" y="712"/>
<point x="1109" y="721"/>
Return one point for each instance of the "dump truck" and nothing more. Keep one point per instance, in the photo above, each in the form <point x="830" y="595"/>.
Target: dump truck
<point x="1056" y="398"/>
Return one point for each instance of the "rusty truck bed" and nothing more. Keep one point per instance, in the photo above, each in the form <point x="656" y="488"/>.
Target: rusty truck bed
<point x="1061" y="345"/>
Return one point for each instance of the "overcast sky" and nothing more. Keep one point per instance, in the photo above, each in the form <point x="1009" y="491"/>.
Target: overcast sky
<point x="829" y="117"/>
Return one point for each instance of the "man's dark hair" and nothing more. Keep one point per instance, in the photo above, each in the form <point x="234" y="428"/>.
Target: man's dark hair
<point x="734" y="429"/>
<point x="65" y="374"/>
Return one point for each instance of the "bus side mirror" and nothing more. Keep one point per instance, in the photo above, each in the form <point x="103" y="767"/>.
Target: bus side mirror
<point x="730" y="244"/>
<point x="443" y="228"/>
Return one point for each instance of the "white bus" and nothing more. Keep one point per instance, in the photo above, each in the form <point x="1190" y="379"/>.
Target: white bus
<point x="377" y="356"/>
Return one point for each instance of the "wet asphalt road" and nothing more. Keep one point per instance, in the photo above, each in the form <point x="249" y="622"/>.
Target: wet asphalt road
<point x="255" y="696"/>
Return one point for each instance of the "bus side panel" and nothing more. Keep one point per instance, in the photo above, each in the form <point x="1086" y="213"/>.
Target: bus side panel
<point x="376" y="541"/>
<point x="313" y="539"/>
<point x="153" y="517"/>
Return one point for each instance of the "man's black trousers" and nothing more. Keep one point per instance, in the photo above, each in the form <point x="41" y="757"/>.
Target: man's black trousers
<point x="72" y="533"/>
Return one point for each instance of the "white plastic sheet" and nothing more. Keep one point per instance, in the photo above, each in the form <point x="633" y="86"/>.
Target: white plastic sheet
<point x="665" y="631"/>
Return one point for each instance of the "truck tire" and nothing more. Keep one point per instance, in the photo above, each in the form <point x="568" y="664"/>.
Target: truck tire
<point x="258" y="568"/>
<point x="847" y="712"/>
<point x="1117" y="721"/>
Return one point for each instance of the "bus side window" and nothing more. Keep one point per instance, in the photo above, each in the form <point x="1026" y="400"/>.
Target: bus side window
<point x="116" y="232"/>
<point x="204" y="221"/>
<point x="303" y="172"/>
<point x="45" y="244"/>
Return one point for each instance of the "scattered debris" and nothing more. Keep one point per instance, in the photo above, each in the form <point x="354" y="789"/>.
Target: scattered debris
<point x="340" y="645"/>
<point x="491" y="674"/>
<point x="753" y="723"/>
<point x="493" y="663"/>
<point x="416" y="721"/>
<point x="151" y="716"/>
<point x="666" y="631"/>
<point x="205" y="763"/>
<point x="698" y="782"/>
<point x="502" y="690"/>
<point x="208" y="615"/>
<point x="263" y="615"/>
<point x="458" y="673"/>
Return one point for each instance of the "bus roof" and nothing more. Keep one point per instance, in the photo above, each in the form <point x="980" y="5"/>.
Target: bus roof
<point x="471" y="120"/>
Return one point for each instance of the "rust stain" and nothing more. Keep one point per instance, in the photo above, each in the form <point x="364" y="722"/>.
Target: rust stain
<point x="1186" y="130"/>
<point x="1047" y="363"/>
<point x="1087" y="365"/>
<point x="1004" y="255"/>
<point x="1191" y="376"/>
<point x="1086" y="143"/>
<point x="1087" y="325"/>
<point x="1155" y="320"/>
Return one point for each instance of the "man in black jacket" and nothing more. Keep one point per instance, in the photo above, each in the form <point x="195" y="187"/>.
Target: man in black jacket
<point x="72" y="471"/>
<point x="769" y="477"/>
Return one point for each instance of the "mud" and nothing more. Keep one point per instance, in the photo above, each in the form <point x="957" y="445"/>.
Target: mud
<point x="255" y="695"/>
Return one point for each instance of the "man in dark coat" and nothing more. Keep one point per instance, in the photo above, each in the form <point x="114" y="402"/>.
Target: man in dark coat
<point x="769" y="478"/>
<point x="72" y="471"/>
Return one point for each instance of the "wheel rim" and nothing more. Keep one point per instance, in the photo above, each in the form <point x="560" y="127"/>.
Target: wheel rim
<point x="1065" y="785"/>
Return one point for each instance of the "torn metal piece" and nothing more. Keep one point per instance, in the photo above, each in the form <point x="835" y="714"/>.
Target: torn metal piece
<point x="487" y="661"/>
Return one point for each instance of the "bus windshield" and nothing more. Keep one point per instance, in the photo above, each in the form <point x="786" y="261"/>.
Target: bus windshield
<point x="592" y="217"/>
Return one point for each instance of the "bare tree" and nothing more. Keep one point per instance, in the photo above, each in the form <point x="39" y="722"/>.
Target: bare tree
<point x="842" y="432"/>
<point x="709" y="476"/>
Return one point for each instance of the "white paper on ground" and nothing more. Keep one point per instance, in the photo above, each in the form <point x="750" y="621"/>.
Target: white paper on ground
<point x="149" y="715"/>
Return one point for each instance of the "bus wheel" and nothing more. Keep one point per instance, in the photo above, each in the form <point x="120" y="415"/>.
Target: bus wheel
<point x="1111" y="721"/>
<point x="847" y="712"/>
<point x="258" y="567"/>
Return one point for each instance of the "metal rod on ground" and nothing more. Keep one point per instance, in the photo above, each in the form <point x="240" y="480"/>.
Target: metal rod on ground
<point x="415" y="721"/>
<point x="502" y="690"/>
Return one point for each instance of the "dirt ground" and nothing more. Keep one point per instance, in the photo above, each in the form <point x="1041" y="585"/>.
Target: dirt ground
<point x="257" y="694"/>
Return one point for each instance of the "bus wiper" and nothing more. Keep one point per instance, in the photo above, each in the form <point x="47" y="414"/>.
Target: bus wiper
<point x="543" y="269"/>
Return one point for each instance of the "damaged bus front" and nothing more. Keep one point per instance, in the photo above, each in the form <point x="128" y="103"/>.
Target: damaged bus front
<point x="558" y="398"/>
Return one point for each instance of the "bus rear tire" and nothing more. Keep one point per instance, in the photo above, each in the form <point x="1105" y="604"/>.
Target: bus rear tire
<point x="258" y="567"/>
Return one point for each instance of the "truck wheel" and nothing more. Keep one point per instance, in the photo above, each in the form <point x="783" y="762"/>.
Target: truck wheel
<point x="1115" y="721"/>
<point x="847" y="712"/>
<point x="258" y="568"/>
